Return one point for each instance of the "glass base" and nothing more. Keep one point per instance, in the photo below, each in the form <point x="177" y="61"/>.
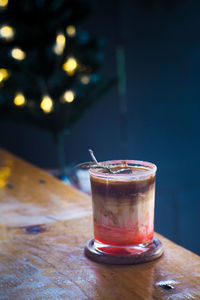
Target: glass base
<point x="108" y="254"/>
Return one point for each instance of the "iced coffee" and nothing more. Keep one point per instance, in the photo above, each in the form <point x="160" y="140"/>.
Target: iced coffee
<point x="123" y="205"/>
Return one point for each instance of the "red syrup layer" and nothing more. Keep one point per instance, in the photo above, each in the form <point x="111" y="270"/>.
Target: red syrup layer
<point x="120" y="250"/>
<point x="123" y="236"/>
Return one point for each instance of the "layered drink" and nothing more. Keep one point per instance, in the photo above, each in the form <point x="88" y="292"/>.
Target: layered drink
<point x="123" y="206"/>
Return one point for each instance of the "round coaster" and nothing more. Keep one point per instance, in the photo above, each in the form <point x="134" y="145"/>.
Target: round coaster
<point x="152" y="251"/>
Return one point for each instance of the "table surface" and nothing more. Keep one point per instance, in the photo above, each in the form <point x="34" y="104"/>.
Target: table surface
<point x="44" y="225"/>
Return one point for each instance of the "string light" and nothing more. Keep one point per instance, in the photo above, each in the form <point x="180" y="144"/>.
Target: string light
<point x="60" y="44"/>
<point x="18" y="54"/>
<point x="19" y="99"/>
<point x="68" y="96"/>
<point x="71" y="30"/>
<point x="4" y="74"/>
<point x="6" y="32"/>
<point x="85" y="79"/>
<point x="3" y="3"/>
<point x="46" y="104"/>
<point x="70" y="66"/>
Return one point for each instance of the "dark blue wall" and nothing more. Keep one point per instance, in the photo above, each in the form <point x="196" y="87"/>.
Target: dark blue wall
<point x="163" y="91"/>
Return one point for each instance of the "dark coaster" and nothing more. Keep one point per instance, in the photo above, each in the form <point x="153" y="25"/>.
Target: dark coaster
<point x="154" y="250"/>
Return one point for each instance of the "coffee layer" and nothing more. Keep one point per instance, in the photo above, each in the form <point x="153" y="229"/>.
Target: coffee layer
<point x="121" y="189"/>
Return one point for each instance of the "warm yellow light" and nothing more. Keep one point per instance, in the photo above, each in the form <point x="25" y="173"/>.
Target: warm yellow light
<point x="3" y="3"/>
<point x="4" y="74"/>
<point x="18" y="54"/>
<point x="60" y="44"/>
<point x="6" y="32"/>
<point x="4" y="174"/>
<point x="46" y="104"/>
<point x="71" y="30"/>
<point x="85" y="79"/>
<point x="19" y="99"/>
<point x="60" y="39"/>
<point x="70" y="66"/>
<point x="68" y="96"/>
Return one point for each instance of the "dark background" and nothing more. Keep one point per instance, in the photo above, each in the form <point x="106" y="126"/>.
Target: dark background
<point x="162" y="46"/>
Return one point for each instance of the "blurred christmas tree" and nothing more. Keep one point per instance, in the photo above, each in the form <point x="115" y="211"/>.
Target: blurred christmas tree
<point x="49" y="68"/>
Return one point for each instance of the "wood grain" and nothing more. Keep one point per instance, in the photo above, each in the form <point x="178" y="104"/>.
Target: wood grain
<point x="44" y="225"/>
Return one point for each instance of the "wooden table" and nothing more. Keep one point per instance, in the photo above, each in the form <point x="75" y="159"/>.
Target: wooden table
<point x="44" y="225"/>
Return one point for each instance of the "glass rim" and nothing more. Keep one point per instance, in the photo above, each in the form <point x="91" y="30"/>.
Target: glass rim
<point x="152" y="169"/>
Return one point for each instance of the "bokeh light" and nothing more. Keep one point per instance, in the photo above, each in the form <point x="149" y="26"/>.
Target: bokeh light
<point x="68" y="96"/>
<point x="46" y="104"/>
<point x="71" y="30"/>
<point x="4" y="74"/>
<point x="6" y="32"/>
<point x="18" y="54"/>
<point x="60" y="44"/>
<point x="85" y="79"/>
<point x="70" y="66"/>
<point x="3" y="3"/>
<point x="19" y="99"/>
